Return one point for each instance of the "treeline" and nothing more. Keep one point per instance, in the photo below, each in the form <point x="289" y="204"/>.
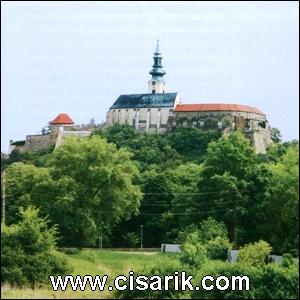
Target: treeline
<point x="204" y="251"/>
<point x="113" y="182"/>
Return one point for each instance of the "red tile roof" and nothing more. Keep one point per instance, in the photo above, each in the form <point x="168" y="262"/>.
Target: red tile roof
<point x="216" y="107"/>
<point x="62" y="119"/>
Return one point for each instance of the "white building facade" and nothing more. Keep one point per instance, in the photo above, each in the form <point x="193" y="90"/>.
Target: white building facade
<point x="151" y="112"/>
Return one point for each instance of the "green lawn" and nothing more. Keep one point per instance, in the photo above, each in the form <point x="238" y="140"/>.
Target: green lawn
<point x="92" y="262"/>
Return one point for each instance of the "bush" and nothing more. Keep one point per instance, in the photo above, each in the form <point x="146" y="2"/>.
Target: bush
<point x="165" y="268"/>
<point x="70" y="251"/>
<point x="287" y="260"/>
<point x="278" y="282"/>
<point x="218" y="268"/>
<point x="193" y="253"/>
<point x="28" y="254"/>
<point x="210" y="229"/>
<point x="270" y="281"/>
<point x="131" y="239"/>
<point x="218" y="248"/>
<point x="210" y="241"/>
<point x="255" y="254"/>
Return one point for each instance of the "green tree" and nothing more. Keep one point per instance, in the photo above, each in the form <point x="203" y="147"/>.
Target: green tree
<point x="231" y="186"/>
<point x="183" y="180"/>
<point x="225" y="180"/>
<point x="211" y="229"/>
<point x="209" y="234"/>
<point x="95" y="183"/>
<point x="193" y="252"/>
<point x="281" y="227"/>
<point x="28" y="251"/>
<point x="156" y="207"/>
<point x="275" y="135"/>
<point x="149" y="149"/>
<point x="27" y="185"/>
<point x="33" y="157"/>
<point x="131" y="239"/>
<point x="191" y="142"/>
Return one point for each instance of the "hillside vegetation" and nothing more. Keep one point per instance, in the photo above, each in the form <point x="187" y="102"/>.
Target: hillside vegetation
<point x="208" y="192"/>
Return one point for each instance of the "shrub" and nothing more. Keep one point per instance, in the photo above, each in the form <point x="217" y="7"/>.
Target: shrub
<point x="131" y="239"/>
<point x="255" y="254"/>
<point x="193" y="253"/>
<point x="70" y="251"/>
<point x="227" y="269"/>
<point x="287" y="260"/>
<point x="271" y="281"/>
<point x="28" y="254"/>
<point x="210" y="229"/>
<point x="182" y="235"/>
<point x="218" y="248"/>
<point x="278" y="282"/>
<point x="165" y="268"/>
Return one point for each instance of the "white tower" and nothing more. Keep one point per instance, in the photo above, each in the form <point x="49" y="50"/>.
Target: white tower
<point x="157" y="84"/>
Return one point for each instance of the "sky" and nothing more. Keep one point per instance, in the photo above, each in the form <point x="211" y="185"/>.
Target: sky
<point x="78" y="57"/>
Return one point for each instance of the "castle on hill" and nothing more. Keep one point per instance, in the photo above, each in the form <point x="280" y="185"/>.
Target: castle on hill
<point x="159" y="111"/>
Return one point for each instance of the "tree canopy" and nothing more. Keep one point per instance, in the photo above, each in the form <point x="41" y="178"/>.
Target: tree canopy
<point x="118" y="179"/>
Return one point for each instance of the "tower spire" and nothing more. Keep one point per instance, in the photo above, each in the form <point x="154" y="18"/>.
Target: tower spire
<point x="157" y="46"/>
<point x="157" y="84"/>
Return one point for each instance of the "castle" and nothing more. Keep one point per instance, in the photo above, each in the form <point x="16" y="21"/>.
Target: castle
<point x="59" y="127"/>
<point x="158" y="111"/>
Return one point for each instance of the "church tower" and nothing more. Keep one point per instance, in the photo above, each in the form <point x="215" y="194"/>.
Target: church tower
<point x="156" y="83"/>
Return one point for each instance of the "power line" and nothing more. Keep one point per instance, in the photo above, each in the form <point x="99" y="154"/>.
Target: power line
<point x="194" y="203"/>
<point x="160" y="194"/>
<point x="157" y="194"/>
<point x="187" y="213"/>
<point x="192" y="194"/>
<point x="182" y="202"/>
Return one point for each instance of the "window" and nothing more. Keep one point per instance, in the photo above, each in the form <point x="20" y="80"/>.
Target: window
<point x="220" y="124"/>
<point x="201" y="123"/>
<point x="184" y="123"/>
<point x="153" y="91"/>
<point x="262" y="124"/>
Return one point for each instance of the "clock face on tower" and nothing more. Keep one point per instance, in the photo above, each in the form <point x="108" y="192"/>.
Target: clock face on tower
<point x="153" y="83"/>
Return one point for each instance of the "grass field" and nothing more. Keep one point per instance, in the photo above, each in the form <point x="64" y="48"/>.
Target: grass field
<point x="92" y="262"/>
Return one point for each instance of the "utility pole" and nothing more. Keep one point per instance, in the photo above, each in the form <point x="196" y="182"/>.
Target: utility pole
<point x="3" y="198"/>
<point x="100" y="237"/>
<point x="234" y="224"/>
<point x="141" y="236"/>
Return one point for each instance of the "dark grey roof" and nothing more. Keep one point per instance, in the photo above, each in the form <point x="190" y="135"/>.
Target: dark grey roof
<point x="145" y="100"/>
